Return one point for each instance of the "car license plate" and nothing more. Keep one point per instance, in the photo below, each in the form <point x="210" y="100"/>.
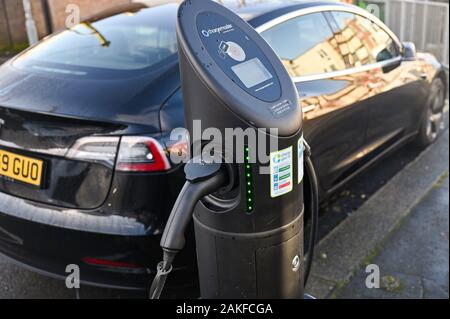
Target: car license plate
<point x="21" y="168"/>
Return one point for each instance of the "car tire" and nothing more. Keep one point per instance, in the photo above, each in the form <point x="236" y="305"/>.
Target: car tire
<point x="433" y="118"/>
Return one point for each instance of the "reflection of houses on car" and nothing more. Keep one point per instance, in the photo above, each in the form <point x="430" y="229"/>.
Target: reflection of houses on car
<point x="364" y="41"/>
<point x="324" y="54"/>
<point x="345" y="42"/>
<point x="357" y="43"/>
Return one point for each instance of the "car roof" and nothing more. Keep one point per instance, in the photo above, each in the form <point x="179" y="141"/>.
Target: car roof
<point x="251" y="9"/>
<point x="262" y="10"/>
<point x="256" y="8"/>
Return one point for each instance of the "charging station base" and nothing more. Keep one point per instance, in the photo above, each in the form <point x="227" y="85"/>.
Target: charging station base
<point x="257" y="265"/>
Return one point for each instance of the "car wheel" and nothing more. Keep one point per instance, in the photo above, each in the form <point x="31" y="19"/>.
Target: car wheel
<point x="434" y="116"/>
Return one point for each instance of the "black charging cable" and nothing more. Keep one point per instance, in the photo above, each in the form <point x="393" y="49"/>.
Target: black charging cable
<point x="202" y="179"/>
<point x="163" y="269"/>
<point x="314" y="210"/>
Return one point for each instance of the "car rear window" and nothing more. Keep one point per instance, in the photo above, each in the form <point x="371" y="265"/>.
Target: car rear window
<point x="134" y="40"/>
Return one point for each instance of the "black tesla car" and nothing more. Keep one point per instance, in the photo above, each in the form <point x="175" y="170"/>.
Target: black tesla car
<point x="86" y="115"/>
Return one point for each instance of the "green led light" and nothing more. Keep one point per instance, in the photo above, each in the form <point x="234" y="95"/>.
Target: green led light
<point x="249" y="180"/>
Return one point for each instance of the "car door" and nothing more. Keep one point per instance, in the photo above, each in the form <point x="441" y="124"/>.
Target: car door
<point x="335" y="114"/>
<point x="396" y="90"/>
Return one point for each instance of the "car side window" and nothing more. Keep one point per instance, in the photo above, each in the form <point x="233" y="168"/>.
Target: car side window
<point x="306" y="45"/>
<point x="362" y="41"/>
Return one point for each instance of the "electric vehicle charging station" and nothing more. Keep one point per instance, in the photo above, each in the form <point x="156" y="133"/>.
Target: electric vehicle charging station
<point x="249" y="226"/>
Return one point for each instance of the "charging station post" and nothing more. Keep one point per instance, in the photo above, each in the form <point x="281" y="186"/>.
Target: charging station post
<point x="249" y="215"/>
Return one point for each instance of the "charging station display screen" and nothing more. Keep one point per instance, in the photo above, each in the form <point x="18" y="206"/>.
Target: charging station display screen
<point x="252" y="72"/>
<point x="238" y="56"/>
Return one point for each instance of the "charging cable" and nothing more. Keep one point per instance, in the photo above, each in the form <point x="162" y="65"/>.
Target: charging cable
<point x="314" y="210"/>
<point x="202" y="179"/>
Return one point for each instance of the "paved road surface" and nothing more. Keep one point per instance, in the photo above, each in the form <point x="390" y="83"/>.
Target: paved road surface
<point x="414" y="262"/>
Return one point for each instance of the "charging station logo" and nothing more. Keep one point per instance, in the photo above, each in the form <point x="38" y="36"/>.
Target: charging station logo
<point x="219" y="30"/>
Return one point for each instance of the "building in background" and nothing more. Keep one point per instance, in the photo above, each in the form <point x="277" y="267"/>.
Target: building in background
<point x="49" y="16"/>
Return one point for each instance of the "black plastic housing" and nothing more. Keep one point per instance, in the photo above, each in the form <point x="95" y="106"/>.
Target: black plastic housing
<point x="241" y="253"/>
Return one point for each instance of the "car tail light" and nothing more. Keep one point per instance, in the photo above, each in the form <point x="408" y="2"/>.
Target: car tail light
<point x="114" y="266"/>
<point x="141" y="154"/>
<point x="108" y="263"/>
<point x="95" y="149"/>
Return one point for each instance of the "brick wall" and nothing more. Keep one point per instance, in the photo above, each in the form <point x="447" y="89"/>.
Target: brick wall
<point x="39" y="17"/>
<point x="12" y="23"/>
<point x="4" y="32"/>
<point x="12" y="17"/>
<point x="87" y="8"/>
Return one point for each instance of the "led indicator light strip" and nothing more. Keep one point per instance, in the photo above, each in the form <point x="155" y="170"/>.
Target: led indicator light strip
<point x="249" y="182"/>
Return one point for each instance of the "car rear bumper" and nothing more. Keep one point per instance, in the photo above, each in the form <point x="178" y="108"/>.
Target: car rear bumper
<point x="49" y="250"/>
<point x="47" y="240"/>
<point x="70" y="218"/>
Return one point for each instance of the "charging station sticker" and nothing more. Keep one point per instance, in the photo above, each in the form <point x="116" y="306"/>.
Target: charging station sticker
<point x="281" y="172"/>
<point x="280" y="109"/>
<point x="301" y="159"/>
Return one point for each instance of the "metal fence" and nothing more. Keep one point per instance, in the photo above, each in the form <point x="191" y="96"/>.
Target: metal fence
<point x="426" y="23"/>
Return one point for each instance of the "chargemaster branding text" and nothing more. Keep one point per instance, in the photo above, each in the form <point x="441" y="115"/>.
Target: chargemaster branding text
<point x="219" y="30"/>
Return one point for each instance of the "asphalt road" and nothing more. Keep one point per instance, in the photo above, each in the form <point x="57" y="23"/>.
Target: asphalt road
<point x="16" y="282"/>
